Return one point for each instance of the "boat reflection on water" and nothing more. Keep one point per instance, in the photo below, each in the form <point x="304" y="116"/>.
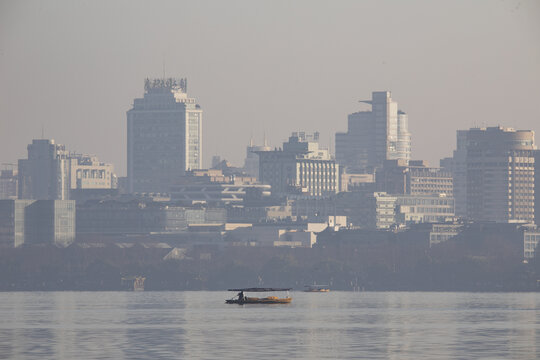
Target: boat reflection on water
<point x="242" y="299"/>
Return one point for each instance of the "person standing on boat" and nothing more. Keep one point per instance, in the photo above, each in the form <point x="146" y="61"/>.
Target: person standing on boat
<point x="241" y="296"/>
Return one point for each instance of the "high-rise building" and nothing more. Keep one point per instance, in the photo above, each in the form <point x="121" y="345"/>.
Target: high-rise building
<point x="493" y="171"/>
<point x="53" y="173"/>
<point x="301" y="167"/>
<point x="374" y="136"/>
<point x="164" y="136"/>
<point x="45" y="174"/>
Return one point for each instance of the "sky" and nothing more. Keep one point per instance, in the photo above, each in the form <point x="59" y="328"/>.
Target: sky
<point x="71" y="69"/>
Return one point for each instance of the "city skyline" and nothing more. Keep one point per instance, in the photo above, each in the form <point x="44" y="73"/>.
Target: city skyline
<point x="270" y="80"/>
<point x="374" y="160"/>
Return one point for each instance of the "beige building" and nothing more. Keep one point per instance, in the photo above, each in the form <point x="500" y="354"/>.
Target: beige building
<point x="89" y="173"/>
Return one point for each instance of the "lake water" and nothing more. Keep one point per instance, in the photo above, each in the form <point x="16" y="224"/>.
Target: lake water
<point x="335" y="325"/>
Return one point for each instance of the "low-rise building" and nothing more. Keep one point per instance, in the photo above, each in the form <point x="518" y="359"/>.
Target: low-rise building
<point x="424" y="209"/>
<point x="140" y="217"/>
<point x="31" y="222"/>
<point x="531" y="237"/>
<point x="278" y="234"/>
<point x="8" y="184"/>
<point x="413" y="177"/>
<point x="443" y="232"/>
<point x="301" y="167"/>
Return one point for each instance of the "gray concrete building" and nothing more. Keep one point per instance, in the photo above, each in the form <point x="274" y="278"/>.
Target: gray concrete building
<point x="531" y="238"/>
<point x="45" y="174"/>
<point x="31" y="222"/>
<point x="413" y="177"/>
<point x="251" y="163"/>
<point x="164" y="136"/>
<point x="374" y="136"/>
<point x="53" y="173"/>
<point x="141" y="217"/>
<point x="494" y="174"/>
<point x="8" y="184"/>
<point x="434" y="208"/>
<point x="301" y="167"/>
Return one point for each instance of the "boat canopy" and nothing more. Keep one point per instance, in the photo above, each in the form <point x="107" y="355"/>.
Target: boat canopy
<point x="261" y="289"/>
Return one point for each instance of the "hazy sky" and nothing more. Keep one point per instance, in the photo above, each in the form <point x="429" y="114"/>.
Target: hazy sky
<point x="74" y="67"/>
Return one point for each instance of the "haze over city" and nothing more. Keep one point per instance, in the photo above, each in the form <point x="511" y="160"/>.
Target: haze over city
<point x="255" y="179"/>
<point x="72" y="69"/>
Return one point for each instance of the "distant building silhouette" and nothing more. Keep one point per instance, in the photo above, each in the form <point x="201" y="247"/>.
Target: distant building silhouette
<point x="164" y="136"/>
<point x="301" y="167"/>
<point x="45" y="174"/>
<point x="374" y="136"/>
<point x="53" y="173"/>
<point x="251" y="164"/>
<point x="8" y="184"/>
<point x="494" y="173"/>
<point x="37" y="222"/>
<point x="413" y="177"/>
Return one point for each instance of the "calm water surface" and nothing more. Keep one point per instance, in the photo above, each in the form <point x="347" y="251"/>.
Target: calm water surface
<point x="335" y="325"/>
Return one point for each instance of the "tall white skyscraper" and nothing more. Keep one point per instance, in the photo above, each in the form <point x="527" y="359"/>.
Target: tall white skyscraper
<point x="374" y="136"/>
<point x="164" y="136"/>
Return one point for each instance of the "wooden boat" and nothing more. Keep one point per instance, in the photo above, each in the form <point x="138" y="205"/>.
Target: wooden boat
<point x="316" y="288"/>
<point x="241" y="299"/>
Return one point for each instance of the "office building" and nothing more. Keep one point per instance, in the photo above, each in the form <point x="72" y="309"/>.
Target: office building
<point x="531" y="238"/>
<point x="34" y="222"/>
<point x="301" y="167"/>
<point x="374" y="136"/>
<point x="53" y="173"/>
<point x="379" y="210"/>
<point x="164" y="136"/>
<point x="494" y="173"/>
<point x="413" y="177"/>
<point x="8" y="184"/>
<point x="443" y="232"/>
<point x="141" y="217"/>
<point x="45" y="174"/>
<point x="251" y="164"/>
<point x="87" y="172"/>
<point x="435" y="208"/>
